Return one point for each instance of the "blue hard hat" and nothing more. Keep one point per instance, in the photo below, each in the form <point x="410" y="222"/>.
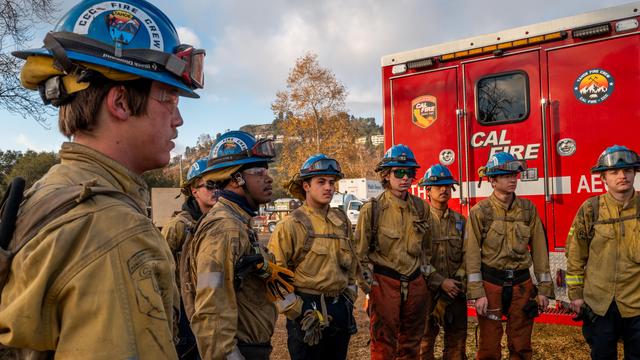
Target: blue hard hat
<point x="502" y="163"/>
<point x="239" y="148"/>
<point x="617" y="157"/>
<point x="196" y="169"/>
<point x="437" y="175"/>
<point x="320" y="164"/>
<point x="398" y="156"/>
<point x="130" y="36"/>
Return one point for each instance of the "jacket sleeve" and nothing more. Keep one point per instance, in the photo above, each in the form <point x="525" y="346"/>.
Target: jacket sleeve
<point x="174" y="233"/>
<point x="214" y="322"/>
<point x="428" y="270"/>
<point x="362" y="234"/>
<point x="130" y="314"/>
<point x="281" y="243"/>
<point x="577" y="254"/>
<point x="540" y="254"/>
<point x="473" y="256"/>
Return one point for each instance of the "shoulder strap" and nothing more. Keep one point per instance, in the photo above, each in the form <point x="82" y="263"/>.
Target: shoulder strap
<point x="345" y="220"/>
<point x="299" y="216"/>
<point x="375" y="222"/>
<point x="595" y="214"/>
<point x="487" y="218"/>
<point x="57" y="203"/>
<point x="418" y="203"/>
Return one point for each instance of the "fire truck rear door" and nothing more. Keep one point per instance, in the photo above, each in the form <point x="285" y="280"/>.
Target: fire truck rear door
<point x="424" y="117"/>
<point x="593" y="105"/>
<point x="503" y="113"/>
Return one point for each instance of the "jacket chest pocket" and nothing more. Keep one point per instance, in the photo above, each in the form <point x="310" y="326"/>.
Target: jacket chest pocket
<point x="455" y="249"/>
<point x="495" y="237"/>
<point x="388" y="238"/>
<point x="519" y="242"/>
<point x="634" y="243"/>
<point x="315" y="258"/>
<point x="604" y="236"/>
<point x="345" y="256"/>
<point x="416" y="236"/>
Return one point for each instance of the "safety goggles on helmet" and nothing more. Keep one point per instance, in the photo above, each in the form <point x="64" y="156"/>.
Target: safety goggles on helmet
<point x="187" y="63"/>
<point x="434" y="178"/>
<point x="399" y="158"/>
<point x="401" y="173"/>
<point x="193" y="73"/>
<point x="322" y="165"/>
<point x="511" y="166"/>
<point x="263" y="148"/>
<point x="615" y="158"/>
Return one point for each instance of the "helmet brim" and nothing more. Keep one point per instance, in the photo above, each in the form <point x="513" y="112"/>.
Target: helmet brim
<point x="162" y="77"/>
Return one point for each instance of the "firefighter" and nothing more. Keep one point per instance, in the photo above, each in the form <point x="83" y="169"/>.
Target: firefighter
<point x="603" y="259"/>
<point x="229" y="281"/>
<point x="447" y="304"/>
<point x="97" y="281"/>
<point x="315" y="243"/>
<point x="200" y="196"/>
<point x="393" y="245"/>
<point x="501" y="231"/>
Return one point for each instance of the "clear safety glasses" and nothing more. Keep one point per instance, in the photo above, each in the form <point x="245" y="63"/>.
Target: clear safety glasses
<point x="322" y="165"/>
<point x="167" y="97"/>
<point x="614" y="158"/>
<point x="258" y="171"/>
<point x="193" y="73"/>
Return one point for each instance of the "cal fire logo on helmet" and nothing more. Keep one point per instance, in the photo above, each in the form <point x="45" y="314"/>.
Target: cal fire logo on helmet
<point x="425" y="110"/>
<point x="229" y="146"/>
<point x="593" y="86"/>
<point x="122" y="26"/>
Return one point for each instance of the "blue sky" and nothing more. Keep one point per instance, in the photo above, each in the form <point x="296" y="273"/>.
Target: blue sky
<point x="252" y="45"/>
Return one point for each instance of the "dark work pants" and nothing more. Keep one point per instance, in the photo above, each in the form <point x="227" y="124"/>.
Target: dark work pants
<point x="603" y="335"/>
<point x="335" y="338"/>
<point x="186" y="346"/>
<point x="255" y="351"/>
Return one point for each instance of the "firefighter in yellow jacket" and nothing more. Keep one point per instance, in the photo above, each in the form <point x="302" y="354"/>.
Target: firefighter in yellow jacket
<point x="505" y="236"/>
<point x="230" y="281"/>
<point x="393" y="245"/>
<point x="200" y="196"/>
<point x="315" y="242"/>
<point x="603" y="259"/>
<point x="97" y="280"/>
<point x="447" y="303"/>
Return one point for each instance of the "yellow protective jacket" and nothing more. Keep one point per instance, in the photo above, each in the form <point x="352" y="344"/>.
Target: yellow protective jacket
<point x="447" y="238"/>
<point x="96" y="283"/>
<point x="223" y="314"/>
<point x="329" y="265"/>
<point x="603" y="257"/>
<point x="403" y="238"/>
<point x="506" y="237"/>
<point x="175" y="232"/>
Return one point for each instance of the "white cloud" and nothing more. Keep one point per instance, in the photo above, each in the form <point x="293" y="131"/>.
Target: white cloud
<point x="188" y="36"/>
<point x="24" y="141"/>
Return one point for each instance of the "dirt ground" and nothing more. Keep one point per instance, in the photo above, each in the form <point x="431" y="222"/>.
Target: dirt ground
<point x="549" y="341"/>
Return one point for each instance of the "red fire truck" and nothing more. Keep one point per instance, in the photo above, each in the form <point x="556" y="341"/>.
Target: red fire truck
<point x="555" y="93"/>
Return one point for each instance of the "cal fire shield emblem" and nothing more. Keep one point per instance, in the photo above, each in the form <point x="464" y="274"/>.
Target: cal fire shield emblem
<point x="593" y="86"/>
<point x="424" y="110"/>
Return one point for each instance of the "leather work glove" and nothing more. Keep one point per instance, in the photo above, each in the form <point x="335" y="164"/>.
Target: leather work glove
<point x="439" y="311"/>
<point x="312" y="324"/>
<point x="366" y="280"/>
<point x="279" y="280"/>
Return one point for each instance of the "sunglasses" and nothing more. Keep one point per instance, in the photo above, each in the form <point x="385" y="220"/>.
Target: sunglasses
<point x="401" y="173"/>
<point x="208" y="185"/>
